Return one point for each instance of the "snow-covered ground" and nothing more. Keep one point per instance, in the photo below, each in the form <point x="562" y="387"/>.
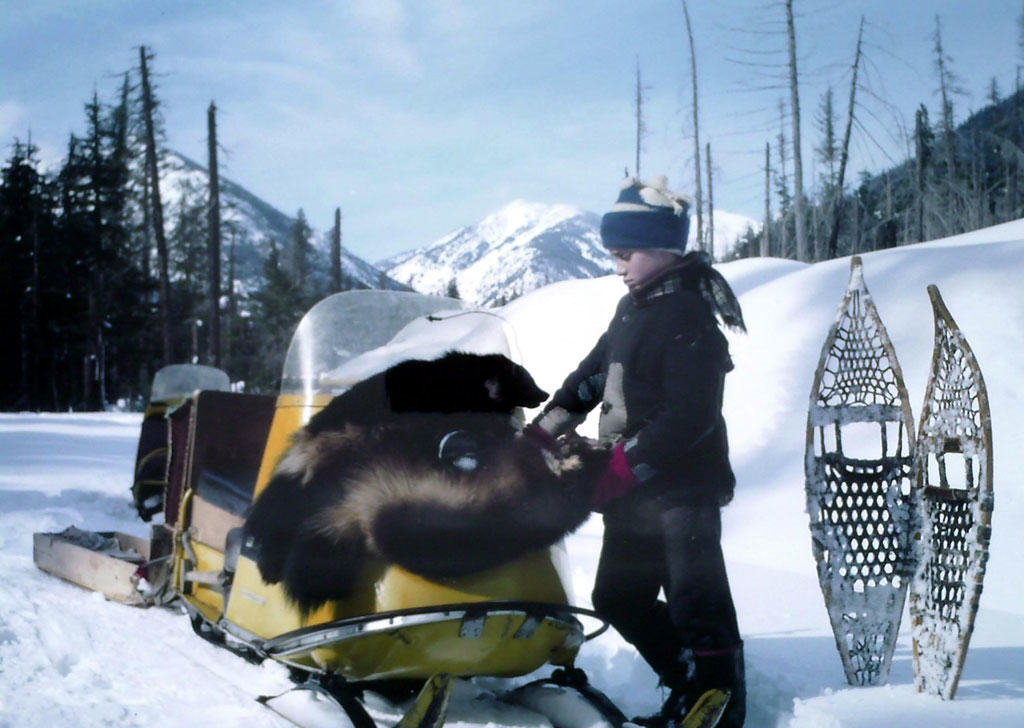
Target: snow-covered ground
<point x="67" y="657"/>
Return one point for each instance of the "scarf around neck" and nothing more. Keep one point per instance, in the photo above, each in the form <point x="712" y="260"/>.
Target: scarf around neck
<point x="695" y="272"/>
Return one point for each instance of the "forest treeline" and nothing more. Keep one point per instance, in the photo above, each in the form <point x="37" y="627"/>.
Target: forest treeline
<point x="95" y="301"/>
<point x="101" y="285"/>
<point x="959" y="179"/>
<point x="955" y="177"/>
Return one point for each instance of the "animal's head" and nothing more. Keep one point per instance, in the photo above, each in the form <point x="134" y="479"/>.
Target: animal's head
<point x="508" y="385"/>
<point x="462" y="382"/>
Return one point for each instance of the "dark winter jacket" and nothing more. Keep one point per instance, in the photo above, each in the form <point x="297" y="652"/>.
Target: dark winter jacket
<point x="658" y="374"/>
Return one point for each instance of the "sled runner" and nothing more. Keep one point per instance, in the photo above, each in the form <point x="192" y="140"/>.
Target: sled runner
<point x="859" y="467"/>
<point x="954" y="482"/>
<point x="397" y="630"/>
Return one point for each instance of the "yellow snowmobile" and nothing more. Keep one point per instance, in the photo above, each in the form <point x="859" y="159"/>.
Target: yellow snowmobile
<point x="397" y="628"/>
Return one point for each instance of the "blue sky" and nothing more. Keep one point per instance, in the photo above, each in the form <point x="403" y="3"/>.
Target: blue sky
<point x="420" y="117"/>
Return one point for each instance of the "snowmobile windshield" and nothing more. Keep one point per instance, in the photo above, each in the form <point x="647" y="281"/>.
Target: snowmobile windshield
<point x="343" y="326"/>
<point x="179" y="380"/>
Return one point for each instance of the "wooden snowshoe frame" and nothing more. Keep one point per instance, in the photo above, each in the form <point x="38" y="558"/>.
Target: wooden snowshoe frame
<point x="955" y="515"/>
<point x="861" y="508"/>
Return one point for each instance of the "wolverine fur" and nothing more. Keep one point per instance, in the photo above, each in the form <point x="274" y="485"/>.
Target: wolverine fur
<point x="361" y="481"/>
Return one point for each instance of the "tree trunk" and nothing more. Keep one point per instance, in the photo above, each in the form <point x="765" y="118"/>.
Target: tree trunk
<point x="336" y="252"/>
<point x="711" y="205"/>
<point x="947" y="127"/>
<point x="639" y="117"/>
<point x="147" y="231"/>
<point x="766" y="233"/>
<point x="213" y="225"/>
<point x="97" y="297"/>
<point x="230" y="328"/>
<point x="919" y="171"/>
<point x="698" y="192"/>
<point x="1013" y="168"/>
<point x="800" y="204"/>
<point x="158" y="210"/>
<point x="889" y="209"/>
<point x="856" y="225"/>
<point x="837" y="209"/>
<point x="35" y="339"/>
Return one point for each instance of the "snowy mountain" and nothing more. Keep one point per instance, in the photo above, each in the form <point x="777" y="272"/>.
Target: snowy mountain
<point x="522" y="247"/>
<point x="729" y="228"/>
<point x="253" y="223"/>
<point x="519" y="248"/>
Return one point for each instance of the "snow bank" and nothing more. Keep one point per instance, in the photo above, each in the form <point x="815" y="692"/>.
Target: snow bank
<point x="68" y="657"/>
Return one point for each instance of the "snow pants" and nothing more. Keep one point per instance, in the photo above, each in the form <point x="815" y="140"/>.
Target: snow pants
<point x="678" y="549"/>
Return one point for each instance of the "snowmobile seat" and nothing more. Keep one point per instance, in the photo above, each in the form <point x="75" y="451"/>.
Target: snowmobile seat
<point x="227" y="442"/>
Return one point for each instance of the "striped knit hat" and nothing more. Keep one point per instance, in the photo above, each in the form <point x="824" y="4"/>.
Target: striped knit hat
<point x="647" y="216"/>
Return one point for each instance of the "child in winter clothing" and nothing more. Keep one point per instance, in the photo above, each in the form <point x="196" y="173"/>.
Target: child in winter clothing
<point x="658" y="374"/>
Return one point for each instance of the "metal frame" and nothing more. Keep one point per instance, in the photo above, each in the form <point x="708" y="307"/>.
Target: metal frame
<point x="320" y="635"/>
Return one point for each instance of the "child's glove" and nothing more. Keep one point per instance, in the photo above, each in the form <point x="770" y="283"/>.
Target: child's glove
<point x="616" y="480"/>
<point x="540" y="437"/>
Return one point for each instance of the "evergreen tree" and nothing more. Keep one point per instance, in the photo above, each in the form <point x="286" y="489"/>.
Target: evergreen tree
<point x="26" y="221"/>
<point x="299" y="253"/>
<point x="279" y="305"/>
<point x="188" y="267"/>
<point x="827" y="154"/>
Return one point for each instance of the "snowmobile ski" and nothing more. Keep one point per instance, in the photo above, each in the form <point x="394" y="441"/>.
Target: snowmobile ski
<point x="431" y="706"/>
<point x="568" y="700"/>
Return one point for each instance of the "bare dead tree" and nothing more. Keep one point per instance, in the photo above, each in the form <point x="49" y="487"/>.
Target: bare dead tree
<point x="213" y="232"/>
<point x="711" y="205"/>
<point x="336" y="252"/>
<point x="783" y="182"/>
<point x="641" y="128"/>
<point x="158" y="210"/>
<point x="698" y="193"/>
<point x="948" y="86"/>
<point x="921" y="152"/>
<point x="800" y="204"/>
<point x="837" y="209"/>
<point x="766" y="233"/>
<point x="232" y="305"/>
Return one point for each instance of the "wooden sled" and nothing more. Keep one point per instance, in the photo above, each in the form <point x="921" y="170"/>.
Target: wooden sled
<point x="860" y="508"/>
<point x="110" y="562"/>
<point x="954" y="487"/>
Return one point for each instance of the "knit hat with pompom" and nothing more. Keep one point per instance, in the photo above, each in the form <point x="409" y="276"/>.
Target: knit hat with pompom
<point x="647" y="216"/>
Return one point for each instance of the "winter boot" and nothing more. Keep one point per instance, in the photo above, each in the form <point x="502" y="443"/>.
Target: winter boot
<point x="699" y="672"/>
<point x="684" y="691"/>
<point x="725" y="671"/>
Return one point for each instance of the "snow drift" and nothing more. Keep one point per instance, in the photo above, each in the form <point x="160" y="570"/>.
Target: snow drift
<point x="68" y="657"/>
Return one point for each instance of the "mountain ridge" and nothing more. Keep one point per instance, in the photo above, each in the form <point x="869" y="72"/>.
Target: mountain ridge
<point x="521" y="247"/>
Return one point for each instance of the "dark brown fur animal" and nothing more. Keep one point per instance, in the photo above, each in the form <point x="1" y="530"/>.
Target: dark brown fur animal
<point x="424" y="467"/>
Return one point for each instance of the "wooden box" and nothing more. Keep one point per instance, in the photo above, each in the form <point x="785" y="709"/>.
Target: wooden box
<point x="110" y="571"/>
